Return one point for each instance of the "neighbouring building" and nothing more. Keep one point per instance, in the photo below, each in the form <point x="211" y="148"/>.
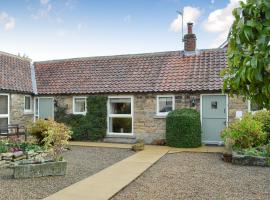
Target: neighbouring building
<point x="141" y="89"/>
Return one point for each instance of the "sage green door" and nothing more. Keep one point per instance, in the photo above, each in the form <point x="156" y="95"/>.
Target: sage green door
<point x="214" y="117"/>
<point x="46" y="108"/>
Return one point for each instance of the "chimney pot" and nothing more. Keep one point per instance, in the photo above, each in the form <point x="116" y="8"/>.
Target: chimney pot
<point x="190" y="39"/>
<point x="190" y="25"/>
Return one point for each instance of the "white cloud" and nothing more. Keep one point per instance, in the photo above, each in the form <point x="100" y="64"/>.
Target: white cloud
<point x="7" y="21"/>
<point x="127" y="18"/>
<point x="44" y="10"/>
<point x="219" y="21"/>
<point x="191" y="14"/>
<point x="44" y="2"/>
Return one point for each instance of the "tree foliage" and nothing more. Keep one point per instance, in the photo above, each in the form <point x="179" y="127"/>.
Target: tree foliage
<point x="248" y="71"/>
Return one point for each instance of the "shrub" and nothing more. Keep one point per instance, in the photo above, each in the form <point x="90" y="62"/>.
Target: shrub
<point x="183" y="128"/>
<point x="38" y="129"/>
<point x="244" y="133"/>
<point x="263" y="116"/>
<point x="3" y="146"/>
<point x="56" y="138"/>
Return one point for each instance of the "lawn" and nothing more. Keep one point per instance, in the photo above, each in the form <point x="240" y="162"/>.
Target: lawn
<point x="82" y="162"/>
<point x="198" y="176"/>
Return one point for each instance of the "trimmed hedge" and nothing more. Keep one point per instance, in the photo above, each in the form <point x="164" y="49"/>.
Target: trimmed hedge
<point x="183" y="128"/>
<point x="91" y="126"/>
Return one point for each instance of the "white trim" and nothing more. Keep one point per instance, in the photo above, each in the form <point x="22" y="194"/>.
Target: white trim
<point x="46" y="98"/>
<point x="36" y="115"/>
<point x="120" y="116"/>
<point x="28" y="111"/>
<point x="227" y="113"/>
<point x="8" y="114"/>
<point x="73" y="105"/>
<point x="164" y="114"/>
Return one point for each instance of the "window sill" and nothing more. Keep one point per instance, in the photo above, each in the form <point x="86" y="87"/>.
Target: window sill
<point x="28" y="112"/>
<point x="79" y="113"/>
<point x="160" y="116"/>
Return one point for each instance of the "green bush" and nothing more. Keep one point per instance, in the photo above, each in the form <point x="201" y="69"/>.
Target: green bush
<point x="183" y="128"/>
<point x="91" y="126"/>
<point x="37" y="129"/>
<point x="263" y="116"/>
<point x="4" y="146"/>
<point x="244" y="133"/>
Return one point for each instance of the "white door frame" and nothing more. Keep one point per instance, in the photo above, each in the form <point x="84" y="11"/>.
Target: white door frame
<point x="39" y="105"/>
<point x="8" y="114"/>
<point x="227" y="113"/>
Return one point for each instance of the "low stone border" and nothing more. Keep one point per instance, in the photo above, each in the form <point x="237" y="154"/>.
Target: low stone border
<point x="38" y="170"/>
<point x="247" y="160"/>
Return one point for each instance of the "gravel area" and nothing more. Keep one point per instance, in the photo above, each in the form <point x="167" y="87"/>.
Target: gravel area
<point x="198" y="176"/>
<point x="82" y="162"/>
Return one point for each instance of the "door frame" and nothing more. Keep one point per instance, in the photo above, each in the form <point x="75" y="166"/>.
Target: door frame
<point x="8" y="114"/>
<point x="227" y="112"/>
<point x="39" y="105"/>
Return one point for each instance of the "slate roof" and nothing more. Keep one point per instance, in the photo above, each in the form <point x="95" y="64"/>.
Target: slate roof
<point x="152" y="72"/>
<point x="15" y="73"/>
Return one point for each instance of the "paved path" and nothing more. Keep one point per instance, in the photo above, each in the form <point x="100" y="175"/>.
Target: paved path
<point x="106" y="183"/>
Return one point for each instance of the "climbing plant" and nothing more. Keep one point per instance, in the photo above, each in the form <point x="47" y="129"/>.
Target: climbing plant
<point x="248" y="72"/>
<point x="91" y="126"/>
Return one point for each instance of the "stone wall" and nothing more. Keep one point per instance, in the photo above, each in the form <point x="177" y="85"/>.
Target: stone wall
<point x="146" y="124"/>
<point x="17" y="114"/>
<point x="149" y="126"/>
<point x="236" y="104"/>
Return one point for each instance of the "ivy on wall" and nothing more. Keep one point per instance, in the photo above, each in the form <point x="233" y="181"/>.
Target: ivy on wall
<point x="91" y="126"/>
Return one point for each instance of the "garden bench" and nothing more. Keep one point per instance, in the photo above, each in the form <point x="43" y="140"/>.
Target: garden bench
<point x="12" y="130"/>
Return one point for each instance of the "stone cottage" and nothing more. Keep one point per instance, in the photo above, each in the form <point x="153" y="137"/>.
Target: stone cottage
<point x="16" y="90"/>
<point x="141" y="89"/>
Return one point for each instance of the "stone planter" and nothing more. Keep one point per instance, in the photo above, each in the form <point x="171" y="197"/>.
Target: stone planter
<point x="38" y="170"/>
<point x="247" y="160"/>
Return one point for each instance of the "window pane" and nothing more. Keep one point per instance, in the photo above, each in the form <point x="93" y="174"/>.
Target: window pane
<point x="27" y="103"/>
<point x="80" y="105"/>
<point x="120" y="106"/>
<point x="255" y="107"/>
<point x="120" y="125"/>
<point x="36" y="111"/>
<point x="3" y="104"/>
<point x="3" y="122"/>
<point x="165" y="104"/>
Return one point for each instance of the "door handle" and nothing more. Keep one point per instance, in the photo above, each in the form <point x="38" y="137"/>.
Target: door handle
<point x="225" y="123"/>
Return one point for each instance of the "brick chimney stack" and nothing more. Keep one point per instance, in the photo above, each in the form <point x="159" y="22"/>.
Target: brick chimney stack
<point x="190" y="39"/>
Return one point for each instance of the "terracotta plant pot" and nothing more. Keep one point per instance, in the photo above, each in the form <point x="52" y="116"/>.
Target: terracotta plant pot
<point x="227" y="157"/>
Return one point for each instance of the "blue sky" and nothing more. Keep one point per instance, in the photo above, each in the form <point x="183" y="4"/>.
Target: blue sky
<point x="54" y="29"/>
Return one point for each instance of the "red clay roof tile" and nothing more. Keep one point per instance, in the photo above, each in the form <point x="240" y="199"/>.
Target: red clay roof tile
<point x="153" y="72"/>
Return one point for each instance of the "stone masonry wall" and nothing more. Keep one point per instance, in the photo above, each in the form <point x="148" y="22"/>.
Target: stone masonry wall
<point x="147" y="125"/>
<point x="236" y="104"/>
<point x="17" y="115"/>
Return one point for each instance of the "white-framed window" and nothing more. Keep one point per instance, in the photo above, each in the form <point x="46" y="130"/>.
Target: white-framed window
<point x="27" y="104"/>
<point x="79" y="105"/>
<point x="165" y="104"/>
<point x="253" y="107"/>
<point x="4" y="109"/>
<point x="120" y="115"/>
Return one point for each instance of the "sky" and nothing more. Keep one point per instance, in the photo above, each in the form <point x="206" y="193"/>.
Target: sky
<point x="58" y="29"/>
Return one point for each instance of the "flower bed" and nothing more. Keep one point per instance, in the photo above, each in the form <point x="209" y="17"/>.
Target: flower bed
<point x="240" y="159"/>
<point x="247" y="140"/>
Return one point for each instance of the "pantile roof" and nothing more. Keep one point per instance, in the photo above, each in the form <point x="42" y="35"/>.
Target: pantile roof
<point x="151" y="72"/>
